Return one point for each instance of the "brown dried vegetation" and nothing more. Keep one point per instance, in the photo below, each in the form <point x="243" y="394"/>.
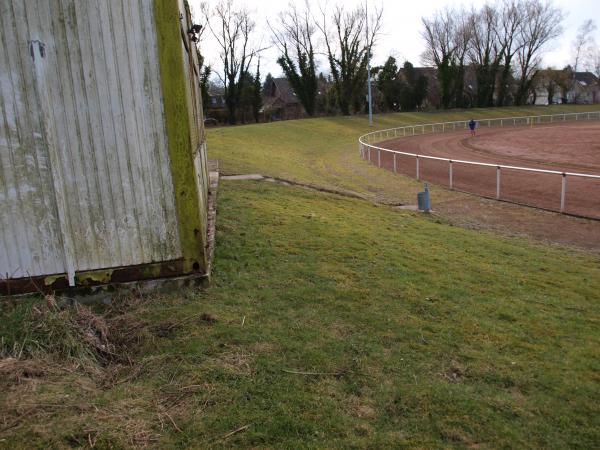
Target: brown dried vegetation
<point x="68" y="364"/>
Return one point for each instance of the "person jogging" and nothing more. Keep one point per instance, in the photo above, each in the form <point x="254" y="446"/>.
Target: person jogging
<point x="472" y="126"/>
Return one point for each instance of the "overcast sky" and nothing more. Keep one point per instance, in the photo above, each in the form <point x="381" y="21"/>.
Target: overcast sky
<point x="400" y="35"/>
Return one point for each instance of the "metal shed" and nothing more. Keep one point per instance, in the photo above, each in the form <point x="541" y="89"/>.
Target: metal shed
<point x="103" y="170"/>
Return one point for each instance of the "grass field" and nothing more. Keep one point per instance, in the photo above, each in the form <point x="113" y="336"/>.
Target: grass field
<point x="330" y="323"/>
<point x="420" y="335"/>
<point x="324" y="151"/>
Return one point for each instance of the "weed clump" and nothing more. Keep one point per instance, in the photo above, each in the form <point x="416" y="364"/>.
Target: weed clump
<point x="70" y="334"/>
<point x="69" y="363"/>
<point x="35" y="336"/>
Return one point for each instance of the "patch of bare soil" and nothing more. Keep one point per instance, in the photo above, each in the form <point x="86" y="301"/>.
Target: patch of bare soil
<point x="569" y="147"/>
<point x="514" y="220"/>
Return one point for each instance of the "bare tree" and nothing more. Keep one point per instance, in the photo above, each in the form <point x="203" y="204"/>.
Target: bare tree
<point x="510" y="24"/>
<point x="232" y="29"/>
<point x="592" y="58"/>
<point x="582" y="42"/>
<point x="486" y="52"/>
<point x="541" y="24"/>
<point x="438" y="34"/>
<point x="348" y="50"/>
<point x="582" y="47"/>
<point x="447" y="35"/>
<point x="439" y="50"/>
<point x="491" y="39"/>
<point x="462" y="38"/>
<point x="294" y="38"/>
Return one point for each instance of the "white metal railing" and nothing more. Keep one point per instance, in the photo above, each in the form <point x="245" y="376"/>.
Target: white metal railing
<point x="366" y="147"/>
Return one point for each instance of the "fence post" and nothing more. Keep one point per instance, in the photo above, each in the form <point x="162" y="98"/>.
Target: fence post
<point x="498" y="183"/>
<point x="563" y="192"/>
<point x="369" y="153"/>
<point x="394" y="162"/>
<point x="378" y="157"/>
<point x="450" y="173"/>
<point x="418" y="179"/>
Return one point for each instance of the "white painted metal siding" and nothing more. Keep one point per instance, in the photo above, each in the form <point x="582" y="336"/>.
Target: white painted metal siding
<point x="85" y="178"/>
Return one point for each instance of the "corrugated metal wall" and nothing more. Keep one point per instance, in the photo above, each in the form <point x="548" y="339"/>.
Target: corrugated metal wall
<point x="85" y="179"/>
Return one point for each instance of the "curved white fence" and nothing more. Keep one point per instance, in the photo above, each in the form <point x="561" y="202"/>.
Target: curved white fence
<point x="366" y="148"/>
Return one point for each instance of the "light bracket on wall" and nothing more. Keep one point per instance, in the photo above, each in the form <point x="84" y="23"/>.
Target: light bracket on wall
<point x="193" y="31"/>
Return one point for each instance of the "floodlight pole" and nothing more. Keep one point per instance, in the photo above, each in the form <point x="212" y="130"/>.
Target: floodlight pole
<point x="370" y="98"/>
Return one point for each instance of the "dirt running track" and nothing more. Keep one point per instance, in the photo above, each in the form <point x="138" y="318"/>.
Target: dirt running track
<point x="570" y="147"/>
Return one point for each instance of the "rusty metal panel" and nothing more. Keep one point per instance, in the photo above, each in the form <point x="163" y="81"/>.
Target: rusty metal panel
<point x="85" y="181"/>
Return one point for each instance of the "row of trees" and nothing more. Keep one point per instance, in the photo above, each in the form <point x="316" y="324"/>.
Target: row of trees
<point x="232" y="29"/>
<point x="501" y="41"/>
<point x="585" y="53"/>
<point x="348" y="37"/>
<point x="400" y="90"/>
<point x="500" y="44"/>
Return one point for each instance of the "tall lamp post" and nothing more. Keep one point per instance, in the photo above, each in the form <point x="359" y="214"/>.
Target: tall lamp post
<point x="370" y="98"/>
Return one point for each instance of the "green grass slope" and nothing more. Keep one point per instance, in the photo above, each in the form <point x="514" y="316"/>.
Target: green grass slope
<point x="324" y="151"/>
<point x="439" y="336"/>
<point x="333" y="323"/>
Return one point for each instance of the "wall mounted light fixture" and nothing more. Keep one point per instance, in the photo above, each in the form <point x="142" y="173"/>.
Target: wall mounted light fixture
<point x="193" y="31"/>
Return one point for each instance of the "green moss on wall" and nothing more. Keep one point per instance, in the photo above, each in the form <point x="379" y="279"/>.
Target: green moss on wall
<point x="173" y="79"/>
<point x="82" y="278"/>
<point x="98" y="276"/>
<point x="51" y="279"/>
